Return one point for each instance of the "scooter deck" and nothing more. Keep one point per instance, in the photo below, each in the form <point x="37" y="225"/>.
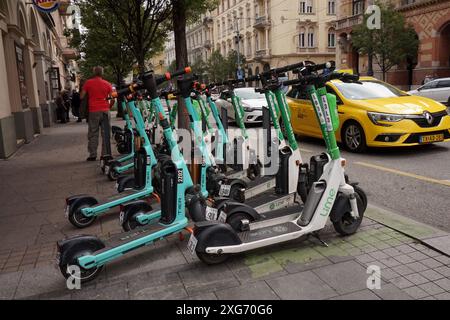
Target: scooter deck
<point x="135" y="234"/>
<point x="275" y="214"/>
<point x="269" y="232"/>
<point x="259" y="185"/>
<point x="269" y="200"/>
<point x="121" y="195"/>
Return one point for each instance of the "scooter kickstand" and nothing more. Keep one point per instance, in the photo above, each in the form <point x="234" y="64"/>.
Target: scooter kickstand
<point x="317" y="236"/>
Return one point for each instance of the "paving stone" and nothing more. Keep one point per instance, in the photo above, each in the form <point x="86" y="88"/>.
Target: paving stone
<point x="443" y="259"/>
<point x="431" y="263"/>
<point x="401" y="282"/>
<point x="431" y="288"/>
<point x="405" y="248"/>
<point x="365" y="258"/>
<point x="344" y="277"/>
<point x="8" y="284"/>
<point x="389" y="274"/>
<point x="417" y="266"/>
<point x="255" y="267"/>
<point x="39" y="280"/>
<point x="431" y="275"/>
<point x="359" y="295"/>
<point x="404" y="259"/>
<point x="390" y="262"/>
<point x="392" y="252"/>
<point x="301" y="286"/>
<point x="416" y="292"/>
<point x="443" y="296"/>
<point x="206" y="278"/>
<point x="443" y="283"/>
<point x="204" y="297"/>
<point x="417" y="256"/>
<point x="250" y="291"/>
<point x="114" y="292"/>
<point x="391" y="292"/>
<point x="444" y="270"/>
<point x="416" y="278"/>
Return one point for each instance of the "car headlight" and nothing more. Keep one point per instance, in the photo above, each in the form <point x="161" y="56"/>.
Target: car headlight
<point x="247" y="108"/>
<point x="377" y="117"/>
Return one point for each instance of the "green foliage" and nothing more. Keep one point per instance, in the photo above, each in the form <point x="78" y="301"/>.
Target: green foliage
<point x="390" y="45"/>
<point x="195" y="8"/>
<point x="102" y="44"/>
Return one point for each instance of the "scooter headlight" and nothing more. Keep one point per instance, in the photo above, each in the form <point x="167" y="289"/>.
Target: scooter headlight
<point x="377" y="117"/>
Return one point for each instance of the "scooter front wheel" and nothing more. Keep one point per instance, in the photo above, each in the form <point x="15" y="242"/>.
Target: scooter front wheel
<point x="112" y="174"/>
<point x="347" y="224"/>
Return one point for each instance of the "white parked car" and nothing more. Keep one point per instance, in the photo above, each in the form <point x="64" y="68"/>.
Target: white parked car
<point x="252" y="102"/>
<point x="438" y="89"/>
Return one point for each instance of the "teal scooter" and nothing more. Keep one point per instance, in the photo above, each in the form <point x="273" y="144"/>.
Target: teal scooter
<point x="213" y="185"/>
<point x="82" y="210"/>
<point x="90" y="254"/>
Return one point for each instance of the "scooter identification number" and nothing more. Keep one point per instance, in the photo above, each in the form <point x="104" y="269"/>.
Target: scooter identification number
<point x="107" y="170"/>
<point x="222" y="217"/>
<point x="121" y="217"/>
<point x="192" y="244"/>
<point x="224" y="190"/>
<point x="66" y="211"/>
<point x="211" y="214"/>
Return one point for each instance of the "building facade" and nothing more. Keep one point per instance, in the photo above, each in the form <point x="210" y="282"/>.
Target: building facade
<point x="199" y="39"/>
<point x="36" y="63"/>
<point x="431" y="21"/>
<point x="269" y="33"/>
<point x="169" y="49"/>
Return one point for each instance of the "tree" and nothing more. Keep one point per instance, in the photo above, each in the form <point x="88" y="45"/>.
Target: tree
<point x="390" y="45"/>
<point x="143" y="23"/>
<point x="216" y="67"/>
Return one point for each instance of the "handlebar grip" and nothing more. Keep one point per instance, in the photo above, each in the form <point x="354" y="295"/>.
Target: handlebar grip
<point x="178" y="73"/>
<point x="130" y="89"/>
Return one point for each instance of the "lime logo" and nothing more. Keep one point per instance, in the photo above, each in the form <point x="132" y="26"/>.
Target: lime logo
<point x="272" y="206"/>
<point x="329" y="203"/>
<point x="46" y="5"/>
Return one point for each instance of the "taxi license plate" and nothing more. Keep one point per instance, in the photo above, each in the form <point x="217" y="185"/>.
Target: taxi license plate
<point x="192" y="244"/>
<point x="432" y="138"/>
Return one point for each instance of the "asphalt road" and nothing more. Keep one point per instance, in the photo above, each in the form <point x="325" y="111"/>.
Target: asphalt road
<point x="413" y="181"/>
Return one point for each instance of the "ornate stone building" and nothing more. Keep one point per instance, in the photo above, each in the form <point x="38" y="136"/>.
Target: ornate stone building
<point x="35" y="64"/>
<point x="431" y="21"/>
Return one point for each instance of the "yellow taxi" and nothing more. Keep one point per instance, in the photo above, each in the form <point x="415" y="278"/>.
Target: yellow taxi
<point x="373" y="113"/>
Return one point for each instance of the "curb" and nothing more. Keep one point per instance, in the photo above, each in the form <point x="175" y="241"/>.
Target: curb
<point x="434" y="238"/>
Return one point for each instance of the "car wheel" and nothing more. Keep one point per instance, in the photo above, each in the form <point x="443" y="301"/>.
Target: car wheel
<point x="353" y="137"/>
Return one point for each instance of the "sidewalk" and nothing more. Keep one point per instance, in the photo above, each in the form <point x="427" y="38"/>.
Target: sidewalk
<point x="37" y="179"/>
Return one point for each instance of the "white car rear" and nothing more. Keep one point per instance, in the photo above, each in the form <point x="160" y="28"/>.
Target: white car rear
<point x="438" y="89"/>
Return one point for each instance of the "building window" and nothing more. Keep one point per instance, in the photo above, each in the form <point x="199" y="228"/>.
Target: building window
<point x="311" y="38"/>
<point x="306" y="6"/>
<point x="358" y="7"/>
<point x="256" y="42"/>
<point x="249" y="46"/>
<point x="301" y="39"/>
<point x="331" y="7"/>
<point x="331" y="38"/>
<point x="248" y="17"/>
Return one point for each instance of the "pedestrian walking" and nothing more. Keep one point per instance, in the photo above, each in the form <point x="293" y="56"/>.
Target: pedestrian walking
<point x="98" y="90"/>
<point x="60" y="108"/>
<point x="76" y="103"/>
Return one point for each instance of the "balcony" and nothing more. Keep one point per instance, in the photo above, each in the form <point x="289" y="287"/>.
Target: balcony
<point x="349" y="22"/>
<point x="207" y="44"/>
<point x="307" y="50"/>
<point x="261" y="22"/>
<point x="70" y="53"/>
<point x="262" y="54"/>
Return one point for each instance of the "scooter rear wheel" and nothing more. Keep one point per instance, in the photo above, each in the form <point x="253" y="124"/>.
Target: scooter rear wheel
<point x="78" y="219"/>
<point x="212" y="259"/>
<point x="71" y="257"/>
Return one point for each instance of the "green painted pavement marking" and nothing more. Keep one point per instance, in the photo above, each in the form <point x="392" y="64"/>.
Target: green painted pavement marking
<point x="405" y="225"/>
<point x="262" y="265"/>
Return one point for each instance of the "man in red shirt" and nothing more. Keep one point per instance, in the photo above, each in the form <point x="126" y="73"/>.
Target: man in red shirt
<point x="97" y="90"/>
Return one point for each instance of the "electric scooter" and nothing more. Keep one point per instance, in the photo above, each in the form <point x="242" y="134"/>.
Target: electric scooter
<point x="331" y="196"/>
<point x="82" y="210"/>
<point x="90" y="253"/>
